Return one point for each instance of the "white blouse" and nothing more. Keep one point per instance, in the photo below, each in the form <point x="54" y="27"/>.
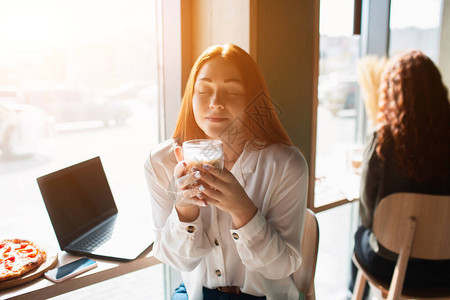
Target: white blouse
<point x="258" y="257"/>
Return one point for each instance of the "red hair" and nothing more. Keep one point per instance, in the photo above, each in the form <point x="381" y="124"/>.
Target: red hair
<point x="415" y="116"/>
<point x="260" y="119"/>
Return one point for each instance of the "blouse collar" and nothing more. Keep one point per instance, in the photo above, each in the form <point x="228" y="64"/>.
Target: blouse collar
<point x="245" y="164"/>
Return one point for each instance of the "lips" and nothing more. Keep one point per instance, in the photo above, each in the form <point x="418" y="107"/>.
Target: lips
<point x="217" y="119"/>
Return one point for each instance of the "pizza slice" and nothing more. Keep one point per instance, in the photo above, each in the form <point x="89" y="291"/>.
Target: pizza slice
<point x="18" y="257"/>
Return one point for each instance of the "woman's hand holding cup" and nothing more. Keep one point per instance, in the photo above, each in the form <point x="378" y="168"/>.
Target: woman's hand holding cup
<point x="186" y="204"/>
<point x="187" y="177"/>
<point x="191" y="158"/>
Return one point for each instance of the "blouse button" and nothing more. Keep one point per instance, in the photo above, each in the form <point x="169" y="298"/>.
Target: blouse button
<point x="235" y="236"/>
<point x="190" y="229"/>
<point x="216" y="242"/>
<point x="218" y="273"/>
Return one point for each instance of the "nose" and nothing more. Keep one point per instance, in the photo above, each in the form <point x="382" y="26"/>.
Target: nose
<point x="216" y="101"/>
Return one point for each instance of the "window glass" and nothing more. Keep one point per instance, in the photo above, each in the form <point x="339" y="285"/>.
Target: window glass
<point x="338" y="101"/>
<point x="415" y="24"/>
<point x="78" y="79"/>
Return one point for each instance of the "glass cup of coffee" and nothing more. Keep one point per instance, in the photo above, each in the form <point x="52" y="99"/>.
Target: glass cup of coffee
<point x="199" y="152"/>
<point x="355" y="158"/>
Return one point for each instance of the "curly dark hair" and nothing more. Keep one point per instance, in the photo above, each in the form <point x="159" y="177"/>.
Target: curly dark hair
<point x="414" y="116"/>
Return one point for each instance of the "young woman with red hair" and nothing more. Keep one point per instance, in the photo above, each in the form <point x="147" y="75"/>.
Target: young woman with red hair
<point x="241" y="233"/>
<point x="409" y="152"/>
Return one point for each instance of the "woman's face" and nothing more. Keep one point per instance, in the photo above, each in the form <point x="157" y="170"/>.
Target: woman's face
<point x="219" y="97"/>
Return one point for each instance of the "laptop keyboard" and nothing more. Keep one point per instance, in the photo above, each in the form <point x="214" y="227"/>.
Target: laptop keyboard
<point x="97" y="238"/>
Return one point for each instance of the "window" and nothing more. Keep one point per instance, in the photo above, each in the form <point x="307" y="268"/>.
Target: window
<point x="338" y="145"/>
<point x="77" y="79"/>
<point x="417" y="29"/>
<point x="338" y="105"/>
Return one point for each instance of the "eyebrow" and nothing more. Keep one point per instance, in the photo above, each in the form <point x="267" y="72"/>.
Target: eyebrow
<point x="225" y="81"/>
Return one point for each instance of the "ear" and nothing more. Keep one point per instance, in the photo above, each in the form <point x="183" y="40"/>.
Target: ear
<point x="178" y="153"/>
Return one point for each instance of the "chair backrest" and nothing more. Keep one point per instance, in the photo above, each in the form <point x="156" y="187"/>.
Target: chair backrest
<point x="304" y="276"/>
<point x="432" y="215"/>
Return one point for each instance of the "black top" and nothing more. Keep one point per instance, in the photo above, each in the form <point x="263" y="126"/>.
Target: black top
<point x="381" y="178"/>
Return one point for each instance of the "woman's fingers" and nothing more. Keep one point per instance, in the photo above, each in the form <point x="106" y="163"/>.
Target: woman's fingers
<point x="182" y="178"/>
<point x="201" y="193"/>
<point x="180" y="169"/>
<point x="186" y="180"/>
<point x="210" y="193"/>
<point x="183" y="181"/>
<point x="209" y="200"/>
<point x="215" y="178"/>
<point x="192" y="201"/>
<point x="223" y="174"/>
<point x="193" y="191"/>
<point x="193" y="196"/>
<point x="201" y="187"/>
<point x="178" y="151"/>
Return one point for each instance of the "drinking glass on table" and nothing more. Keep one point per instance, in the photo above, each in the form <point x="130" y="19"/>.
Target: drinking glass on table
<point x="355" y="158"/>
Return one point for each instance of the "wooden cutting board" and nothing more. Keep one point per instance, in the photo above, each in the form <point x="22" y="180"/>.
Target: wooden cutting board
<point x="51" y="261"/>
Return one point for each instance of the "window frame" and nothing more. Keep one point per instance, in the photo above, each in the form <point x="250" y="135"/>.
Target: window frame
<point x="374" y="40"/>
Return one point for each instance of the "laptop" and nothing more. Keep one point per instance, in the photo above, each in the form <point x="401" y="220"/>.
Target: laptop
<point x="85" y="217"/>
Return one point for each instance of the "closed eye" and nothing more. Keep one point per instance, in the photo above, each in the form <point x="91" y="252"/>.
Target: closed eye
<point x="204" y="92"/>
<point x="234" y="93"/>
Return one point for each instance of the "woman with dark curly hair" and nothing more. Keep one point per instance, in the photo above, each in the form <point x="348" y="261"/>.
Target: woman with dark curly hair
<point x="409" y="152"/>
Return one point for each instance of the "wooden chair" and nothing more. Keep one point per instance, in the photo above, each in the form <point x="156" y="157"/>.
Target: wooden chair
<point x="304" y="276"/>
<point x="412" y="225"/>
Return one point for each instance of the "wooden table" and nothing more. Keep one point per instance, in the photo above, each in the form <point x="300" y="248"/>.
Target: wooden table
<point x="43" y="288"/>
<point x="27" y="218"/>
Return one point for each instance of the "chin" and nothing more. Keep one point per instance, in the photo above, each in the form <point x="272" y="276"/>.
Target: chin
<point x="213" y="133"/>
<point x="213" y="136"/>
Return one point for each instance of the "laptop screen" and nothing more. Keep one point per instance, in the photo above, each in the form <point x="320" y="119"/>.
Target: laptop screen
<point x="77" y="199"/>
